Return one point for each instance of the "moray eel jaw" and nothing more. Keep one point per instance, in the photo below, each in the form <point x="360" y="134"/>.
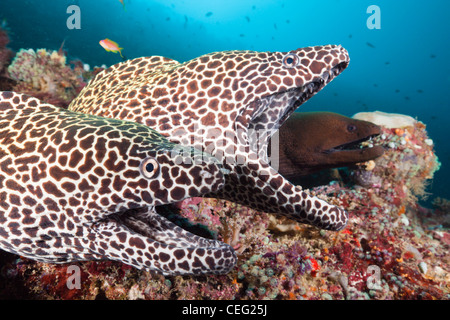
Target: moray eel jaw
<point x="359" y="146"/>
<point x="154" y="243"/>
<point x="353" y="152"/>
<point x="286" y="102"/>
<point x="307" y="91"/>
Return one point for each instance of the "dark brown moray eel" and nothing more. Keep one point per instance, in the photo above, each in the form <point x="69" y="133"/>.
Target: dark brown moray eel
<point x="312" y="141"/>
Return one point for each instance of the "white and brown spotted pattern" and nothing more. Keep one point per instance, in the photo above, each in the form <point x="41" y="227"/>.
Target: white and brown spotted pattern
<point x="218" y="103"/>
<point x="67" y="178"/>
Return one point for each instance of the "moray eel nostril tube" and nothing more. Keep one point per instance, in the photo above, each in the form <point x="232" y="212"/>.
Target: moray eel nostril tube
<point x="228" y="104"/>
<point x="80" y="187"/>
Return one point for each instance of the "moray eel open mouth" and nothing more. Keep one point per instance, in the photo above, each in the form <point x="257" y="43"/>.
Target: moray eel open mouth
<point x="357" y="145"/>
<point x="305" y="92"/>
<point x="286" y="103"/>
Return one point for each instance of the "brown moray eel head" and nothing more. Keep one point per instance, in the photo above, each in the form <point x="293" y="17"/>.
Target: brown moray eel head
<point x="312" y="141"/>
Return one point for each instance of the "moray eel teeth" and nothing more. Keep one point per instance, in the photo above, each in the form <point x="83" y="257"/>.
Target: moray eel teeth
<point x="79" y="187"/>
<point x="354" y="145"/>
<point x="228" y="104"/>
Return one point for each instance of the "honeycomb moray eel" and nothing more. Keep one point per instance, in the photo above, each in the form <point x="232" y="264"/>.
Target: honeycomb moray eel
<point x="228" y="104"/>
<point x="80" y="187"/>
<point x="304" y="146"/>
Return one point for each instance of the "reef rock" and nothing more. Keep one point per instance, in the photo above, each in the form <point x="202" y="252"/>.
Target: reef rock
<point x="409" y="161"/>
<point x="387" y="120"/>
<point x="45" y="74"/>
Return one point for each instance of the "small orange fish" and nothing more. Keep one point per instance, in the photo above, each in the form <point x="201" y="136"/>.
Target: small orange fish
<point x="111" y="46"/>
<point x="123" y="3"/>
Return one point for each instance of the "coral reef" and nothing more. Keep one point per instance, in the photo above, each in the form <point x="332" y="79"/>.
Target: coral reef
<point x="409" y="158"/>
<point x="46" y="75"/>
<point x="392" y="248"/>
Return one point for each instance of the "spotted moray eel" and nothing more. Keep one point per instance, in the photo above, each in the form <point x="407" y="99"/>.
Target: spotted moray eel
<point x="80" y="187"/>
<point x="228" y="104"/>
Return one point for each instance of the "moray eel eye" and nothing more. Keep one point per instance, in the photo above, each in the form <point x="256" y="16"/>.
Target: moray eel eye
<point x="351" y="128"/>
<point x="290" y="60"/>
<point x="150" y="168"/>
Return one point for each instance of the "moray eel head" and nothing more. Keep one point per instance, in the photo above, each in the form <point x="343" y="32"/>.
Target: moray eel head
<point x="311" y="141"/>
<point x="78" y="187"/>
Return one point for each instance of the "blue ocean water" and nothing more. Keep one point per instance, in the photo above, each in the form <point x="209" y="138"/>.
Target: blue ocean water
<point x="401" y="67"/>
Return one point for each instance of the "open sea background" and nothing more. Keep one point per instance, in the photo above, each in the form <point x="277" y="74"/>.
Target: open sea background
<point x="401" y="68"/>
